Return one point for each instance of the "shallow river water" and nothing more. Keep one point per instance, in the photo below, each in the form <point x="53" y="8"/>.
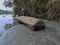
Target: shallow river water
<point x="5" y="19"/>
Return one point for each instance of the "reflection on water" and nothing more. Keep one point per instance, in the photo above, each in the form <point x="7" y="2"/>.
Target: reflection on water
<point x="6" y="22"/>
<point x="8" y="26"/>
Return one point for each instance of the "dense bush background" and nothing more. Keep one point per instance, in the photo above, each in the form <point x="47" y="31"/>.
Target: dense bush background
<point x="47" y="9"/>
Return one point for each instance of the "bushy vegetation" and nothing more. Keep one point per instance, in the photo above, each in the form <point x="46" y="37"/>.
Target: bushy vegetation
<point x="30" y="7"/>
<point x="47" y="9"/>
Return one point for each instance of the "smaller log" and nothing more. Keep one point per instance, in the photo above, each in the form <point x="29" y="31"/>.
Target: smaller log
<point x="34" y="23"/>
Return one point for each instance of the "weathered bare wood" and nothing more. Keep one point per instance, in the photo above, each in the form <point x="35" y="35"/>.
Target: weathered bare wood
<point x="34" y="23"/>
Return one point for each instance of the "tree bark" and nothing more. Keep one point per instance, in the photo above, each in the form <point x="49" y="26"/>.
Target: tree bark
<point x="34" y="23"/>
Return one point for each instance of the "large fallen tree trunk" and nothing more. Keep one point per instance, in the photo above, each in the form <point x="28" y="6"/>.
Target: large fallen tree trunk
<point x="34" y="23"/>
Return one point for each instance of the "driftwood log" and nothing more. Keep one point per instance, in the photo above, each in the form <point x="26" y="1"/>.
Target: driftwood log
<point x="34" y="23"/>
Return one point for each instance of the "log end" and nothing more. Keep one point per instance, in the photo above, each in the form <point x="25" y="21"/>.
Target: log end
<point x="40" y="25"/>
